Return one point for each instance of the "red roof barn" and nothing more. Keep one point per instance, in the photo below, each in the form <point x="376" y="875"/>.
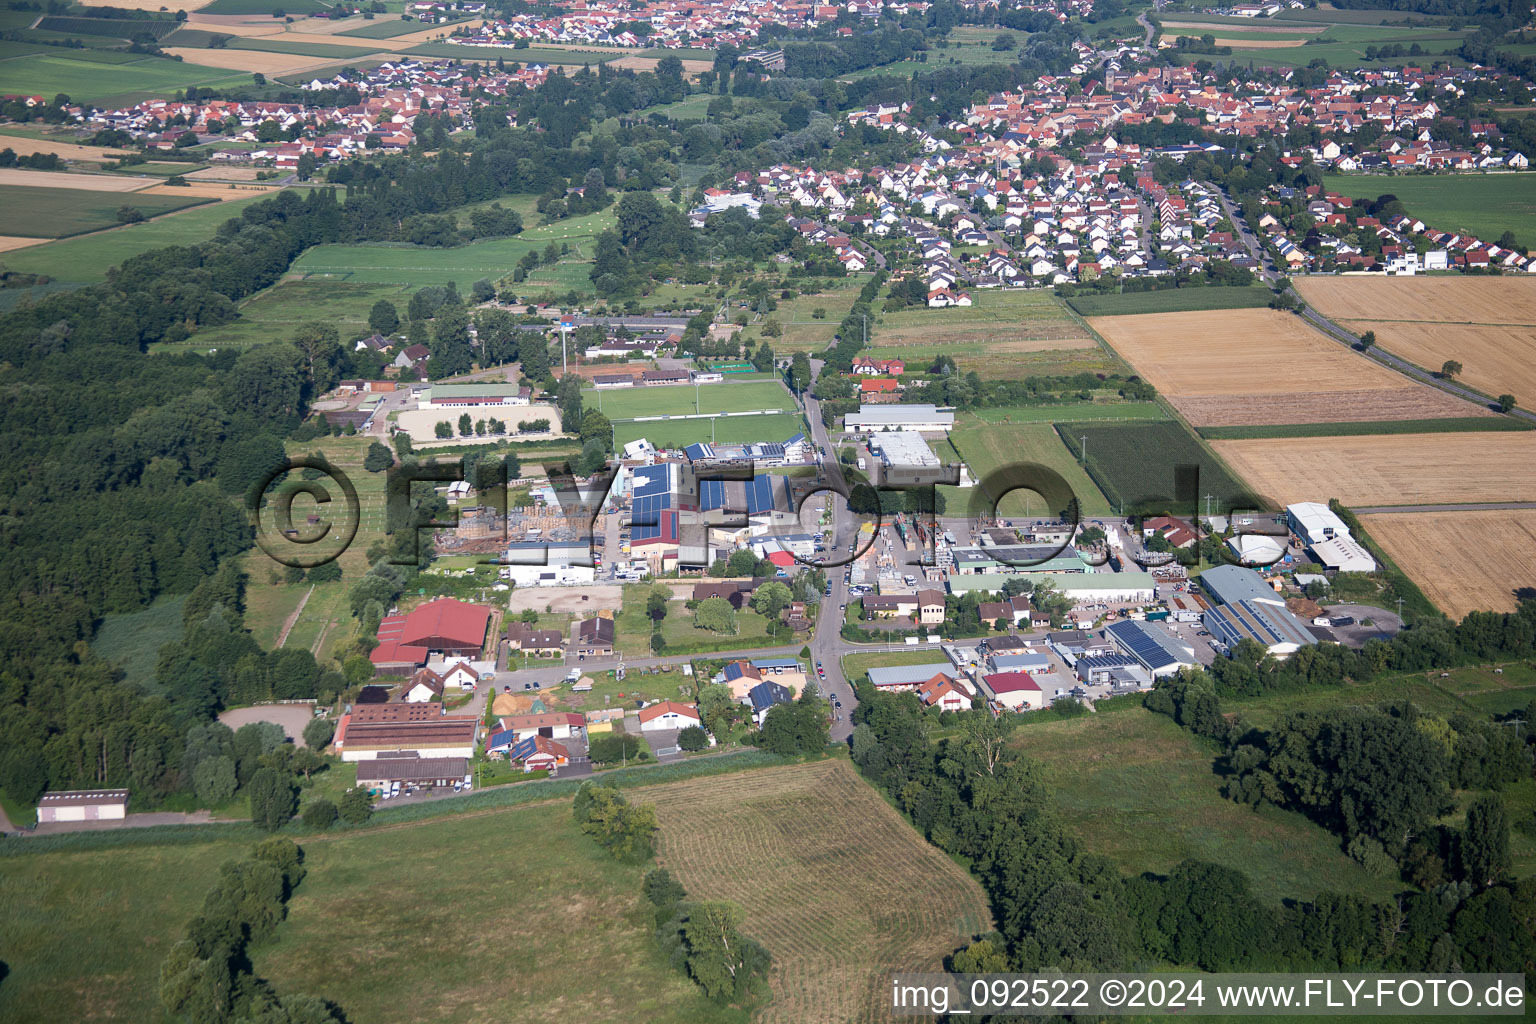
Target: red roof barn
<point x="445" y="625"/>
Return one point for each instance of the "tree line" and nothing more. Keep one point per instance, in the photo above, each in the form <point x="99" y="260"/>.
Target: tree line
<point x="1056" y="904"/>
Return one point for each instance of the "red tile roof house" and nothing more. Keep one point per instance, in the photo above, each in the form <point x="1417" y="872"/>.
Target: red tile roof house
<point x="667" y="714"/>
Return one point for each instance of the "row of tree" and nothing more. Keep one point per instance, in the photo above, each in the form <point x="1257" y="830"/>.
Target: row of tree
<point x="1056" y="904"/>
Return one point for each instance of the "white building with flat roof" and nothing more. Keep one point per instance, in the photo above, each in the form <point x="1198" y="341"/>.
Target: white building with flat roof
<point x="903" y="448"/>
<point x="878" y="418"/>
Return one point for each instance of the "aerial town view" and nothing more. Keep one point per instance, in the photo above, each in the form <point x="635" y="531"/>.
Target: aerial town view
<point x="727" y="512"/>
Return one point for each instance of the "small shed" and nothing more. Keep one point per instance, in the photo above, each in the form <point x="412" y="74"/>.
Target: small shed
<point x="83" y="805"/>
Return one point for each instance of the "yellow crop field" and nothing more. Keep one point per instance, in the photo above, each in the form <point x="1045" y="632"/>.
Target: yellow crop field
<point x="251" y="60"/>
<point x="1487" y="324"/>
<point x="1389" y="469"/>
<point x="831" y="880"/>
<point x="1463" y="561"/>
<point x="62" y="179"/>
<point x="1467" y="300"/>
<point x="1235" y="367"/>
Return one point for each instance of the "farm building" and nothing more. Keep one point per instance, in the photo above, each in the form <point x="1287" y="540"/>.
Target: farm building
<point x="1016" y="691"/>
<point x="83" y="805"/>
<point x="667" y="714"/>
<point x="878" y="418"/>
<point x="411" y="771"/>
<point x="445" y="626"/>
<point x="1158" y="651"/>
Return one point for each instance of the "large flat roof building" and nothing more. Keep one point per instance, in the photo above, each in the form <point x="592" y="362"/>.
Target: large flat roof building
<point x="1246" y="608"/>
<point x="1154" y="647"/>
<point x="876" y="418"/>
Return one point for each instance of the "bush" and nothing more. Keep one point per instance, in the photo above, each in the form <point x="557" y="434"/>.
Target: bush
<point x="318" y="733"/>
<point x="607" y="748"/>
<point x="693" y="738"/>
<point x="321" y="814"/>
<point x="356" y="806"/>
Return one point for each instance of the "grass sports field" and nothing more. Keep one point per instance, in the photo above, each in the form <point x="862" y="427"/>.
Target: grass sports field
<point x="85" y="78"/>
<point x="718" y="429"/>
<point x="1135" y="465"/>
<point x="1389" y="469"/>
<point x="276" y="313"/>
<point x="829" y="877"/>
<point x="58" y="212"/>
<point x="1464" y="561"/>
<point x="728" y="396"/>
<point x="1485" y="204"/>
<point x="1250" y="366"/>
<point x="1488" y="324"/>
<point x="1170" y="300"/>
<point x="86" y="260"/>
<point x="1139" y="789"/>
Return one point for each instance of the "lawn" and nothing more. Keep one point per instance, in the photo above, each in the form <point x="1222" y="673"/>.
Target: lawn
<point x="87" y="260"/>
<point x="84" y="933"/>
<point x="1486" y="205"/>
<point x="829" y="878"/>
<point x="1139" y="789"/>
<point x="276" y="313"/>
<point x="1015" y="314"/>
<point x="94" y="81"/>
<point x="694" y="108"/>
<point x="1472" y="690"/>
<point x="986" y="446"/>
<point x="132" y="641"/>
<point x="1171" y="300"/>
<point x="803" y="331"/>
<point x="856" y="665"/>
<point x="633" y="629"/>
<point x="419" y="265"/>
<point x="1135" y="465"/>
<point x="60" y="212"/>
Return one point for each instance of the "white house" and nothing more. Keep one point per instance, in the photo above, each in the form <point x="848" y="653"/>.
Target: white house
<point x="667" y="714"/>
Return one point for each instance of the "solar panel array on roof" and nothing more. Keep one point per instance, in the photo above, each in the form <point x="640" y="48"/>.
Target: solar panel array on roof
<point x="1147" y="644"/>
<point x="759" y="494"/>
<point x="650" y="496"/>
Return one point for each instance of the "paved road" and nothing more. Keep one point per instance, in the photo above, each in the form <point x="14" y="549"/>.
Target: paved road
<point x="828" y="646"/>
<point x="1490" y="507"/>
<point x="1267" y="271"/>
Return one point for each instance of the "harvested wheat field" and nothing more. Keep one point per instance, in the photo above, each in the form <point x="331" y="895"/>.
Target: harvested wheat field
<point x="1234" y="367"/>
<point x="1495" y="360"/>
<point x="227" y="172"/>
<point x="830" y="879"/>
<point x="1465" y="300"/>
<point x="208" y="190"/>
<point x="1463" y="561"/>
<point x="690" y="67"/>
<point x="250" y="60"/>
<point x="1487" y="324"/>
<point x="22" y="146"/>
<point x="60" y="179"/>
<point x="9" y="242"/>
<point x="1388" y="469"/>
